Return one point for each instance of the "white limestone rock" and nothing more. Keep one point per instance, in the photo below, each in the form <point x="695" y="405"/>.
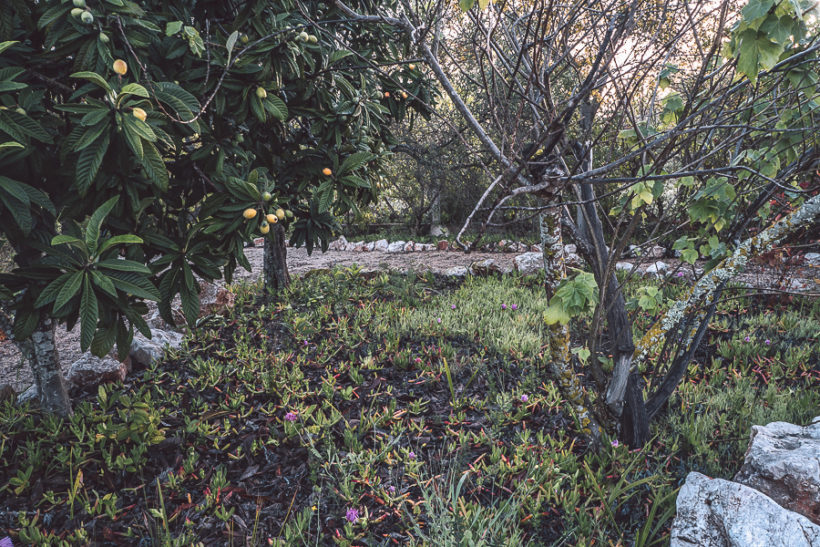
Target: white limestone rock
<point x="657" y="269"/>
<point x="457" y="271"/>
<point x="145" y="351"/>
<point x="529" y="263"/>
<point x="783" y="462"/>
<point x="338" y="245"/>
<point x="90" y="370"/>
<point x="721" y="513"/>
<point x="396" y="247"/>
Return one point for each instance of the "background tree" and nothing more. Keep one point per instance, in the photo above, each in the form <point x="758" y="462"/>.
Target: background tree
<point x="146" y="142"/>
<point x="683" y="134"/>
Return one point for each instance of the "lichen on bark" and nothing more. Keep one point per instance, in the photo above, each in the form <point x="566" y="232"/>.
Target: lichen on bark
<point x="569" y="381"/>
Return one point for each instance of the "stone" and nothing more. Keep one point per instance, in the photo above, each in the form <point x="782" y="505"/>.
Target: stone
<point x="7" y="393"/>
<point x="381" y="245"/>
<point x="633" y="251"/>
<point x="798" y="285"/>
<point x="338" y="245"/>
<point x="489" y="266"/>
<point x="570" y="249"/>
<point x="214" y="300"/>
<point x="625" y="266"/>
<point x="409" y="247"/>
<point x="145" y="351"/>
<point x="369" y="247"/>
<point x="535" y="249"/>
<point x="259" y="241"/>
<point x="721" y="513"/>
<point x="657" y="269"/>
<point x="155" y="321"/>
<point x="425" y="247"/>
<point x="457" y="271"/>
<point x="812" y="259"/>
<point x="443" y="245"/>
<point x="90" y="370"/>
<point x="529" y="263"/>
<point x="501" y="246"/>
<point x="396" y="247"/>
<point x="657" y="251"/>
<point x="783" y="462"/>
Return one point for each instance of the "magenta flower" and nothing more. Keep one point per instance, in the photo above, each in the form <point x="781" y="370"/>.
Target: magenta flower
<point x="453" y="307"/>
<point x="438" y="319"/>
<point x="392" y="489"/>
<point x="615" y="443"/>
<point x="525" y="398"/>
<point x="746" y="339"/>
<point x="767" y="342"/>
<point x="305" y="342"/>
<point x="6" y="542"/>
<point x="290" y="416"/>
<point x="352" y="515"/>
<point x="412" y="455"/>
<point x="514" y="307"/>
<point x="680" y="274"/>
<point x="503" y="306"/>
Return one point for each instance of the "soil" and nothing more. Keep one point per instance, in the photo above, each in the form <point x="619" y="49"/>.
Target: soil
<point x="17" y="374"/>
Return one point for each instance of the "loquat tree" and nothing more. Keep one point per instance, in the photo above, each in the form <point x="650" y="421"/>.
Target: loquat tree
<point x="144" y="143"/>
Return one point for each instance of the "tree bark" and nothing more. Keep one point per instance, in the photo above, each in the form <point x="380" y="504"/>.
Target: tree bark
<point x="552" y="245"/>
<point x="276" y="273"/>
<point x="45" y="365"/>
<point x="630" y="408"/>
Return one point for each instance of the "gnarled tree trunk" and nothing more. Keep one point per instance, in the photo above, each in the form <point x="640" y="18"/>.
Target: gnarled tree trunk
<point x="45" y="365"/>
<point x="40" y="351"/>
<point x="276" y="273"/>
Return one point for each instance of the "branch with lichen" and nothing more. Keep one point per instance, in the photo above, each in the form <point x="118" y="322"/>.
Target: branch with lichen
<point x="728" y="268"/>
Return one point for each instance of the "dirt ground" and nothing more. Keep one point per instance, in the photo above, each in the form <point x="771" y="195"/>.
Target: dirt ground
<point x="17" y="374"/>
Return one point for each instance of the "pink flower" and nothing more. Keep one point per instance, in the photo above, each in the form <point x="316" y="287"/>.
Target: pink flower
<point x="514" y="306"/>
<point x="767" y="342"/>
<point x="412" y="455"/>
<point x="746" y="339"/>
<point x="290" y="416"/>
<point x="615" y="443"/>
<point x="525" y="398"/>
<point x="503" y="306"/>
<point x="438" y="319"/>
<point x="453" y="307"/>
<point x="352" y="515"/>
<point x="392" y="489"/>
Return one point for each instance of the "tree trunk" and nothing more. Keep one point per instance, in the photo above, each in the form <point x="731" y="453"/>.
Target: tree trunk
<point x="276" y="273"/>
<point x="552" y="245"/>
<point x="45" y="364"/>
<point x="435" y="212"/>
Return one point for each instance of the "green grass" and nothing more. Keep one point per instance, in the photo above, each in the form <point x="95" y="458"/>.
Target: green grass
<point x="274" y="422"/>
